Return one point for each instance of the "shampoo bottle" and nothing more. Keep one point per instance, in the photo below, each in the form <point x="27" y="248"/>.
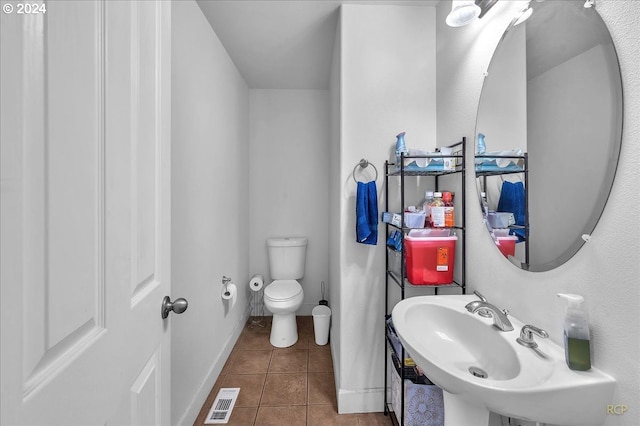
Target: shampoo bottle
<point x="577" y="350"/>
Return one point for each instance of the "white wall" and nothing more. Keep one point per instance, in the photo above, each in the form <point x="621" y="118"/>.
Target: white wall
<point x="288" y="182"/>
<point x="387" y="81"/>
<point x="210" y="199"/>
<point x="335" y="193"/>
<point x="606" y="270"/>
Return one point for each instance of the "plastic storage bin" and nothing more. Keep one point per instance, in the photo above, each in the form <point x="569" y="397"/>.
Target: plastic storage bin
<point x="396" y="345"/>
<point x="501" y="219"/>
<point x="507" y="245"/>
<point x="414" y="220"/>
<point x="430" y="256"/>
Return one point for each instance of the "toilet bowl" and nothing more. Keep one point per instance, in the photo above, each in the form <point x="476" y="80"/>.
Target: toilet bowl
<point x="283" y="298"/>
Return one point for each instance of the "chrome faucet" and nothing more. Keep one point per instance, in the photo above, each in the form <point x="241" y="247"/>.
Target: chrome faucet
<point x="526" y="336"/>
<point x="472" y="305"/>
<point x="500" y="320"/>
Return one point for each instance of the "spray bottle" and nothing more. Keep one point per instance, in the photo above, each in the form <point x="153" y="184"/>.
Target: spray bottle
<point x="576" y="333"/>
<point x="401" y="147"/>
<point x="482" y="145"/>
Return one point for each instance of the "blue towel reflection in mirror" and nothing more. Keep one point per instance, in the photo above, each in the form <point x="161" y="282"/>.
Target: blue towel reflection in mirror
<point x="512" y="200"/>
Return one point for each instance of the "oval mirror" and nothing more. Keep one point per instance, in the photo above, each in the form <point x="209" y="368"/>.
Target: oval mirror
<point x="548" y="132"/>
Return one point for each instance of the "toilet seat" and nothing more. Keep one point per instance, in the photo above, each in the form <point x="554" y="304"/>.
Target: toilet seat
<point x="282" y="290"/>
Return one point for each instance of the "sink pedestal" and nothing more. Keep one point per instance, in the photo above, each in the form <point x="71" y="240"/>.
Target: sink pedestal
<point x="460" y="412"/>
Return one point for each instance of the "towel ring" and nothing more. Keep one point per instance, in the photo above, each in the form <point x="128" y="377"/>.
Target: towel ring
<point x="363" y="164"/>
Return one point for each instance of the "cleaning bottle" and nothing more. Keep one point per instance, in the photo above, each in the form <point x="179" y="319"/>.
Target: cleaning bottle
<point x="577" y="350"/>
<point x="437" y="211"/>
<point x="447" y="199"/>
<point x="401" y="147"/>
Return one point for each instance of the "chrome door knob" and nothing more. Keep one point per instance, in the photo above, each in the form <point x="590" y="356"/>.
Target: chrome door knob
<point x="178" y="306"/>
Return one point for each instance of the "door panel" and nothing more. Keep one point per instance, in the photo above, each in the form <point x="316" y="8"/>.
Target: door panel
<point x="64" y="194"/>
<point x="145" y="143"/>
<point x="85" y="214"/>
<point x="145" y="405"/>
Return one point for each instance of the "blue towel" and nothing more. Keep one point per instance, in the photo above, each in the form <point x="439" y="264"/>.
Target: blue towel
<point x="512" y="199"/>
<point x="367" y="213"/>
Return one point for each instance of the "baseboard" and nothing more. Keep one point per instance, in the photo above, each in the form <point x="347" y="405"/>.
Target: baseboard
<point x="360" y="401"/>
<point x="191" y="413"/>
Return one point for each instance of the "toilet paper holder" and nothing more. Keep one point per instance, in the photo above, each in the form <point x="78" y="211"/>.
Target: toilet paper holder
<point x="225" y="282"/>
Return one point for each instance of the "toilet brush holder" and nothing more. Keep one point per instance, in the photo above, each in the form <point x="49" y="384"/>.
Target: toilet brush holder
<point x="323" y="301"/>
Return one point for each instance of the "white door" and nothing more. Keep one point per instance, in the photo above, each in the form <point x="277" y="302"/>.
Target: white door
<point x="85" y="206"/>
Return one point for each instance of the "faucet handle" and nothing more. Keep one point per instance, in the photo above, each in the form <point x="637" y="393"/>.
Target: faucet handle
<point x="526" y="335"/>
<point x="477" y="293"/>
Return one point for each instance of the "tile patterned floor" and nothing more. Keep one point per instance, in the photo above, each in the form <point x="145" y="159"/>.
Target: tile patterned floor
<point x="284" y="387"/>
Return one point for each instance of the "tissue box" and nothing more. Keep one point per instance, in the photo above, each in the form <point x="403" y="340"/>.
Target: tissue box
<point x="449" y="162"/>
<point x="501" y="219"/>
<point x="392" y="218"/>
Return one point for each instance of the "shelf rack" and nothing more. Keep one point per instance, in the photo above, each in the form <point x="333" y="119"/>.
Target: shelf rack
<point x="482" y="175"/>
<point x="400" y="280"/>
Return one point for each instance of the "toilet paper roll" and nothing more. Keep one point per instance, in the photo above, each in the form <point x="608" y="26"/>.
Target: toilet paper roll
<point x="229" y="291"/>
<point x="256" y="283"/>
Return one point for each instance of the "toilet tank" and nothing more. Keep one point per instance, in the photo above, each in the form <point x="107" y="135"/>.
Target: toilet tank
<point x="287" y="257"/>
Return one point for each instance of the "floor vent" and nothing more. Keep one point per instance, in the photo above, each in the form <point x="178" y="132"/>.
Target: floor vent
<point x="222" y="406"/>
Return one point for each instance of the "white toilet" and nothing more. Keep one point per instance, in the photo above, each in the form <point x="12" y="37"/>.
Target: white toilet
<point x="284" y="295"/>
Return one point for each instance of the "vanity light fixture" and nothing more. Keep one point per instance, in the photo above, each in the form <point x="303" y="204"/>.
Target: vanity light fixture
<point x="464" y="12"/>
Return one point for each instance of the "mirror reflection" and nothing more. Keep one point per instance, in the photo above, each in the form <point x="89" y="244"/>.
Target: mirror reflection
<point x="548" y="133"/>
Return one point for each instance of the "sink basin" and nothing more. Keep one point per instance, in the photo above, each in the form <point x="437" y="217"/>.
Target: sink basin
<point x="482" y="369"/>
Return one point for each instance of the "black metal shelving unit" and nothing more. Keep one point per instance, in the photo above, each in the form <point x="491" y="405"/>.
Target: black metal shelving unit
<point x="400" y="279"/>
<point x="482" y="176"/>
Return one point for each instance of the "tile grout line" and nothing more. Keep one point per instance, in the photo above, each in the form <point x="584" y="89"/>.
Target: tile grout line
<point x="320" y="365"/>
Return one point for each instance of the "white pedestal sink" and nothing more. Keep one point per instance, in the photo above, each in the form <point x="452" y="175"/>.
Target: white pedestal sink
<point x="482" y="369"/>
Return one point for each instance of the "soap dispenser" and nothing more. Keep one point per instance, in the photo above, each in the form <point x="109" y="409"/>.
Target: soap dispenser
<point x="576" y="333"/>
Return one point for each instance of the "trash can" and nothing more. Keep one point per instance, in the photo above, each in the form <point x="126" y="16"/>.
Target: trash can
<point x="321" y="318"/>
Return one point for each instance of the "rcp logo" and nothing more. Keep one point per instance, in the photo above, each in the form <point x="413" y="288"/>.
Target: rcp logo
<point x="617" y="409"/>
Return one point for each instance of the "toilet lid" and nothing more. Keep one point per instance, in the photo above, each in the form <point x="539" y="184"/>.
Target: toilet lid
<point x="283" y="289"/>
